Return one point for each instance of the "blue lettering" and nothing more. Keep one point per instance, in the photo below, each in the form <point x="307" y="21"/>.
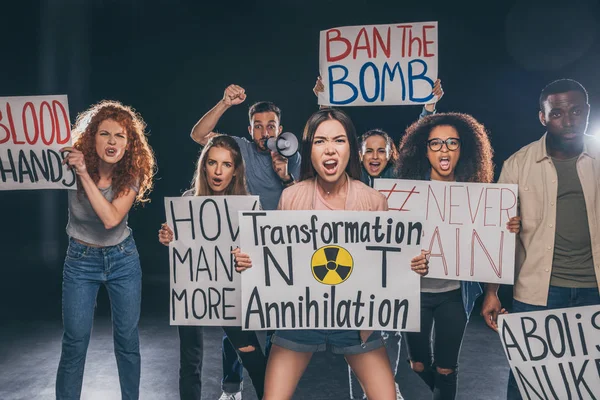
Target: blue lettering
<point x="363" y="90"/>
<point x="392" y="73"/>
<point x="421" y="76"/>
<point x="341" y="81"/>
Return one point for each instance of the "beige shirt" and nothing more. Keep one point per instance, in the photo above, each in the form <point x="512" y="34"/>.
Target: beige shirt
<point x="532" y="169"/>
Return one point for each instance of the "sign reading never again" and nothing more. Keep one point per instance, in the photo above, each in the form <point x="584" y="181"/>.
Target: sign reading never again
<point x="330" y="270"/>
<point x="467" y="233"/>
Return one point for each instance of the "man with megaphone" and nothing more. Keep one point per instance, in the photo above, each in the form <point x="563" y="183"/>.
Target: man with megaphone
<point x="272" y="163"/>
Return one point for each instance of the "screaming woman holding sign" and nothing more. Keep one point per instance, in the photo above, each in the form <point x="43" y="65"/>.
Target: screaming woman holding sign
<point x="220" y="172"/>
<point x="445" y="147"/>
<point x="330" y="180"/>
<point x="114" y="166"/>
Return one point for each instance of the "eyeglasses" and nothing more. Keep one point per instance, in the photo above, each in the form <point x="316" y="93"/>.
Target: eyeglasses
<point x="436" y="144"/>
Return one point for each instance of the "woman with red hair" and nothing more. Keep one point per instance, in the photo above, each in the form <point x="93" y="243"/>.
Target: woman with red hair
<point x="114" y="166"/>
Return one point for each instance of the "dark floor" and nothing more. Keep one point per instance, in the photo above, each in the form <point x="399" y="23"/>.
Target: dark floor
<point x="30" y="349"/>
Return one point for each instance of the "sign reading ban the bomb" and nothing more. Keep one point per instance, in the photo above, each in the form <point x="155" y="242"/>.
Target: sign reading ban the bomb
<point x="467" y="234"/>
<point x="554" y="354"/>
<point x="205" y="288"/>
<point x="330" y="270"/>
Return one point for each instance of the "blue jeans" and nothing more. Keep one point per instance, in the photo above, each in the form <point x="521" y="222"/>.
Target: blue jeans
<point x="85" y="269"/>
<point x="558" y="297"/>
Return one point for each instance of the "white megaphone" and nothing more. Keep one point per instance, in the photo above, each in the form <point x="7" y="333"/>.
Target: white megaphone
<point x="285" y="144"/>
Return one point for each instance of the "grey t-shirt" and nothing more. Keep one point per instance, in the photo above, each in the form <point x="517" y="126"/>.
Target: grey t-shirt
<point x="85" y="225"/>
<point x="261" y="178"/>
<point x="572" y="265"/>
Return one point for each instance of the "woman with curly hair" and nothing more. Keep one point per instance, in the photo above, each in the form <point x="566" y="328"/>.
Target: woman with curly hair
<point x="114" y="166"/>
<point x="220" y="172"/>
<point x="445" y="147"/>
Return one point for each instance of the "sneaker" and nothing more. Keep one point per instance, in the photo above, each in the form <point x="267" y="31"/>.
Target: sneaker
<point x="231" y="396"/>
<point x="398" y="394"/>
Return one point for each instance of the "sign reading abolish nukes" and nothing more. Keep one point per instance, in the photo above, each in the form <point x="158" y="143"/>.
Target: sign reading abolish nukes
<point x="467" y="237"/>
<point x="205" y="288"/>
<point x="554" y="354"/>
<point x="369" y="65"/>
<point x="330" y="270"/>
<point x="32" y="131"/>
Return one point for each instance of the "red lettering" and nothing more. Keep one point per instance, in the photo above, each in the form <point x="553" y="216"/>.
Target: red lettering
<point x="514" y="203"/>
<point x="29" y="106"/>
<point x="457" y="251"/>
<point x="436" y="235"/>
<point x="478" y="203"/>
<point x="393" y="190"/>
<point x="487" y="208"/>
<point x="426" y="42"/>
<point x="12" y="124"/>
<point x="497" y="269"/>
<point x="453" y="205"/>
<point x="5" y="139"/>
<point x="387" y="50"/>
<point x="429" y="194"/>
<point x="358" y="46"/>
<point x="59" y="140"/>
<point x="404" y="28"/>
<point x="52" y="123"/>
<point x="411" y="40"/>
<point x="337" y="38"/>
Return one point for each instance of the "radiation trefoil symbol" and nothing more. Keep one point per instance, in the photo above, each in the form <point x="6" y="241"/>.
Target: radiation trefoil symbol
<point x="331" y="265"/>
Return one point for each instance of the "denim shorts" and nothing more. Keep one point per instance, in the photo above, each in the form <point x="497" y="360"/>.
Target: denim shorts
<point x="338" y="341"/>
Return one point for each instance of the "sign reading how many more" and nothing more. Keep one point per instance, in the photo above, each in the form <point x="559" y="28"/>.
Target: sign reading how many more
<point x="205" y="288"/>
<point x="468" y="240"/>
<point x="330" y="270"/>
<point x="554" y="354"/>
<point x="32" y="131"/>
<point x="378" y="64"/>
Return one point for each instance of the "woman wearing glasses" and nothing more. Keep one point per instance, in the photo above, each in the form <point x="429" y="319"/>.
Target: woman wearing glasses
<point x="445" y="147"/>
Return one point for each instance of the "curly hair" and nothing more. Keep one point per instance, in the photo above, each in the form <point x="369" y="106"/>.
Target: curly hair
<point x="475" y="163"/>
<point x="137" y="167"/>
<point x="237" y="186"/>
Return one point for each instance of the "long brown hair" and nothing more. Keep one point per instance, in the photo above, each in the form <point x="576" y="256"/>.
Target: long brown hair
<point x="237" y="186"/>
<point x="137" y="167"/>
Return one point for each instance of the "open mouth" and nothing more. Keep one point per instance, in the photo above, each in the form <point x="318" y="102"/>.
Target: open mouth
<point x="445" y="163"/>
<point x="374" y="166"/>
<point x="217" y="181"/>
<point x="330" y="167"/>
<point x="111" y="151"/>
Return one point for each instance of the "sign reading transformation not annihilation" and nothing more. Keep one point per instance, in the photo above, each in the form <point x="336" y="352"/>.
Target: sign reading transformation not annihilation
<point x="330" y="270"/>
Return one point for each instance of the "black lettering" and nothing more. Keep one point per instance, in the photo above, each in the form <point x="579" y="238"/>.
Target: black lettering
<point x="226" y="305"/>
<point x="530" y="334"/>
<point x="202" y="303"/>
<point x="176" y="220"/>
<point x="412" y="227"/>
<point x="289" y="277"/>
<point x="179" y="297"/>
<point x="384" y="251"/>
<point x="218" y="224"/>
<point x="254" y="301"/>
